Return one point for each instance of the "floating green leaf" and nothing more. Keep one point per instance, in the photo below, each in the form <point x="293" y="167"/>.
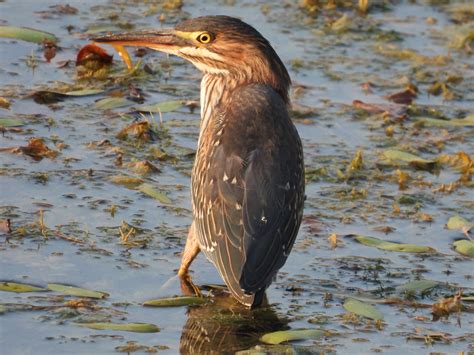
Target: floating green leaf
<point x="84" y="92"/>
<point x="3" y="309"/>
<point x="402" y="156"/>
<point x="77" y="291"/>
<point x="151" y="191"/>
<point x="21" y="307"/>
<point x="11" y="122"/>
<point x="26" y="34"/>
<point x="165" y="106"/>
<point x="418" y="286"/>
<point x="463" y="122"/>
<point x="413" y="160"/>
<point x="289" y="335"/>
<point x="399" y="247"/>
<point x="126" y="327"/>
<point x="19" y="288"/>
<point x="362" y="309"/>
<point x="459" y="223"/>
<point x="264" y="349"/>
<point x="45" y="97"/>
<point x="110" y="103"/>
<point x="125" y="180"/>
<point x="464" y="247"/>
<point x="175" y="301"/>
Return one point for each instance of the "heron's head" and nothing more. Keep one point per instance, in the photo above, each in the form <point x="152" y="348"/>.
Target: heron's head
<point x="217" y="45"/>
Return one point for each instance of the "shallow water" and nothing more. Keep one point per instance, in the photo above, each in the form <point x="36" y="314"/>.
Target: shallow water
<point x="76" y="194"/>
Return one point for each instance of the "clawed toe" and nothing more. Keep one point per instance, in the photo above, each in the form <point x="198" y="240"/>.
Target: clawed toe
<point x="187" y="285"/>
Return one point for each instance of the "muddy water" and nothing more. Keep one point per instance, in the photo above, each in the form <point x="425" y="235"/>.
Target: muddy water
<point x="329" y="64"/>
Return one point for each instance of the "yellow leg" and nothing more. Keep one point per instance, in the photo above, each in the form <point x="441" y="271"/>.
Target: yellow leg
<point x="191" y="250"/>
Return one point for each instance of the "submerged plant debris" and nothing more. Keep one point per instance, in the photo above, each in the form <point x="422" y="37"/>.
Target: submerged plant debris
<point x="96" y="153"/>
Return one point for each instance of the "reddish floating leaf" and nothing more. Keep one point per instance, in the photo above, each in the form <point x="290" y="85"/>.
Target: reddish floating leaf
<point x="404" y="97"/>
<point x="93" y="53"/>
<point x="36" y="149"/>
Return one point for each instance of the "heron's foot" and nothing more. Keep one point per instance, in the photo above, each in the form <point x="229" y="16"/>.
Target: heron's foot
<point x="187" y="285"/>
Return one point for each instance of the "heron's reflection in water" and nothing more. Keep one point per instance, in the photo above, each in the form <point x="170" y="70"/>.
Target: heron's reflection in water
<point x="225" y="326"/>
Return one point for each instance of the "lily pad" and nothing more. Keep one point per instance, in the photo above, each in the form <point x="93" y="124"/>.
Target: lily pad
<point x="84" y="92"/>
<point x="165" y="106"/>
<point x="463" y="122"/>
<point x="464" y="247"/>
<point x="26" y="34"/>
<point x="459" y="223"/>
<point x="362" y="309"/>
<point x="289" y="335"/>
<point x="398" y="247"/>
<point x="11" y="122"/>
<point x="110" y="103"/>
<point x="19" y="288"/>
<point x="126" y="327"/>
<point x="125" y="180"/>
<point x="175" y="301"/>
<point x="51" y="96"/>
<point x="396" y="156"/>
<point x="77" y="291"/>
<point x="418" y="286"/>
<point x="150" y="190"/>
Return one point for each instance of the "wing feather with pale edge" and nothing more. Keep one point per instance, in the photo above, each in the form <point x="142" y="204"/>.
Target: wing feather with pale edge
<point x="254" y="190"/>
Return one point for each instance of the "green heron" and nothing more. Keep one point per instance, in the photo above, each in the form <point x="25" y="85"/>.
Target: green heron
<point x="248" y="176"/>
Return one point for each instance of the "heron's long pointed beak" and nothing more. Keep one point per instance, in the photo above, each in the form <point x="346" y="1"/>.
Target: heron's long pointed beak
<point x="162" y="40"/>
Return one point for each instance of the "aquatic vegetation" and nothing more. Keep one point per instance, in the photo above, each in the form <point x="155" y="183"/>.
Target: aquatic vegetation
<point x="96" y="151"/>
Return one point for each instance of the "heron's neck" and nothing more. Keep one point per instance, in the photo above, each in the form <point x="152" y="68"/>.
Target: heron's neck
<point x="214" y="92"/>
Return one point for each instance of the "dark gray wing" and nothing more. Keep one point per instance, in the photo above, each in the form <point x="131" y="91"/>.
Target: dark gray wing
<point x="254" y="190"/>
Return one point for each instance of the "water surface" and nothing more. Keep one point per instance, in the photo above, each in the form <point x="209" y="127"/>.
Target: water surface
<point x="329" y="66"/>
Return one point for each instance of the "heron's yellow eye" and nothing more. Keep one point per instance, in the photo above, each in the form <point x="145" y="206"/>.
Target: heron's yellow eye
<point x="204" y="37"/>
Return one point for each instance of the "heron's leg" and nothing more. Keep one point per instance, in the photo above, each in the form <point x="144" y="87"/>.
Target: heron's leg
<point x="191" y="250"/>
